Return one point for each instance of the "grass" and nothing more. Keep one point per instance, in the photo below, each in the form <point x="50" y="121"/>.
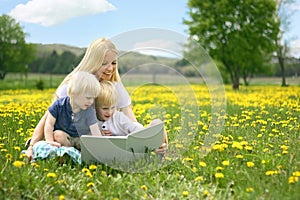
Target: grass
<point x="255" y="156"/>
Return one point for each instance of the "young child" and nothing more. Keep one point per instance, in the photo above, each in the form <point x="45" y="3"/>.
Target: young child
<point x="74" y="115"/>
<point x="113" y="122"/>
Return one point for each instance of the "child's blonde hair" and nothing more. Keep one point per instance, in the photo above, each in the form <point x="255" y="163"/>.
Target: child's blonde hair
<point x="108" y="95"/>
<point x="84" y="83"/>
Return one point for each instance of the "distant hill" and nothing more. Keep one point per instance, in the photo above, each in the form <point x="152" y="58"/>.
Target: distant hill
<point x="47" y="49"/>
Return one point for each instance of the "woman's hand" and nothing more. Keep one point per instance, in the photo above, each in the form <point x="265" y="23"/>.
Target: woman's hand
<point x="29" y="152"/>
<point x="162" y="149"/>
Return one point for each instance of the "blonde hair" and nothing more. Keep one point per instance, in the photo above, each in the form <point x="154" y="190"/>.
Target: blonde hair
<point x="93" y="59"/>
<point x="108" y="95"/>
<point x="84" y="83"/>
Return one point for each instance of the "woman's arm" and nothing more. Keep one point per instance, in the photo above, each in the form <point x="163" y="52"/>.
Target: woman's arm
<point x="128" y="112"/>
<point x="38" y="134"/>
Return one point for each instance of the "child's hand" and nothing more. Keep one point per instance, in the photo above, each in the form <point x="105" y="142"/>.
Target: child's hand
<point x="106" y="133"/>
<point x="56" y="144"/>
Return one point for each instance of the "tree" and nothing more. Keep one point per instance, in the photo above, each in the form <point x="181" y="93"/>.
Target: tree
<point x="282" y="45"/>
<point x="15" y="54"/>
<point x="240" y="34"/>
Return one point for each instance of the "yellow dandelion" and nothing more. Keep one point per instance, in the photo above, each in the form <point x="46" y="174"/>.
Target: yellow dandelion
<point x="185" y="193"/>
<point x="293" y="179"/>
<point x="103" y="173"/>
<point x="144" y="187"/>
<point x="225" y="162"/>
<point x="34" y="164"/>
<point x="51" y="175"/>
<point x="219" y="168"/>
<point x="19" y="164"/>
<point x="206" y="193"/>
<point x="199" y="178"/>
<point x="92" y="167"/>
<point x="167" y="158"/>
<point x="297" y="173"/>
<point x="249" y="148"/>
<point x="90" y="184"/>
<point x="250" y="164"/>
<point x="249" y="189"/>
<point x="61" y="197"/>
<point x="84" y="170"/>
<point x="17" y="148"/>
<point x="23" y="155"/>
<point x="239" y="156"/>
<point x="194" y="169"/>
<point x="8" y="157"/>
<point x="219" y="175"/>
<point x="89" y="174"/>
<point x="202" y="164"/>
<point x="270" y="173"/>
<point x="263" y="162"/>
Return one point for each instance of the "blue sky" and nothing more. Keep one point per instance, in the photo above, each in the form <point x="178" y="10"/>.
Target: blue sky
<point x="79" y="22"/>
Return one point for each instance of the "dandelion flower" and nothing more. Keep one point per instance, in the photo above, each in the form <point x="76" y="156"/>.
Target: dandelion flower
<point x="206" y="193"/>
<point x="225" y="162"/>
<point x="85" y="170"/>
<point x="19" y="164"/>
<point x="61" y="197"/>
<point x="92" y="167"/>
<point x="199" y="178"/>
<point x="185" y="193"/>
<point x="250" y="164"/>
<point x="293" y="179"/>
<point x="90" y="184"/>
<point x="219" y="175"/>
<point x="144" y="187"/>
<point x="249" y="189"/>
<point x="8" y="157"/>
<point x="202" y="164"/>
<point x="239" y="156"/>
<point x="51" y="175"/>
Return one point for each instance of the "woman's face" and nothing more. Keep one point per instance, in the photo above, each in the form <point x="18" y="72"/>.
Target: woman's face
<point x="108" y="67"/>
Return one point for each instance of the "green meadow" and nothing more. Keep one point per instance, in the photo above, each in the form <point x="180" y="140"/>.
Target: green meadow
<point x="254" y="153"/>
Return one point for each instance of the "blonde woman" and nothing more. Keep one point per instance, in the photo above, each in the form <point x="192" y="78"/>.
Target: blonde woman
<point x="100" y="59"/>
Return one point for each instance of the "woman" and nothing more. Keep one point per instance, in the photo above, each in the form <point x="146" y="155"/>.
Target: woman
<point x="100" y="59"/>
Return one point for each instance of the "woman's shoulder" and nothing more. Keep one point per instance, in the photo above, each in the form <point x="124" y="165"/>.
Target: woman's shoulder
<point x="62" y="90"/>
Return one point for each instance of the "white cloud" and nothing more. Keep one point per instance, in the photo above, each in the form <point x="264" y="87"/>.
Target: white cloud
<point x="52" y="12"/>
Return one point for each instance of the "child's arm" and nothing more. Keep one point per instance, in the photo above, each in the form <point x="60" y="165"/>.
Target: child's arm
<point x="49" y="134"/>
<point x="95" y="130"/>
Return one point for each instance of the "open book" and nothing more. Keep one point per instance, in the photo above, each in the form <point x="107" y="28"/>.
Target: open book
<point x="108" y="149"/>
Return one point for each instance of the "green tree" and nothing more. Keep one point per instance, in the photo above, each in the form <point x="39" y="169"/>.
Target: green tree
<point x="240" y="34"/>
<point x="15" y="54"/>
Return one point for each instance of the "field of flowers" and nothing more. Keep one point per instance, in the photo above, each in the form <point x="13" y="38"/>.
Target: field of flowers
<point x="256" y="155"/>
